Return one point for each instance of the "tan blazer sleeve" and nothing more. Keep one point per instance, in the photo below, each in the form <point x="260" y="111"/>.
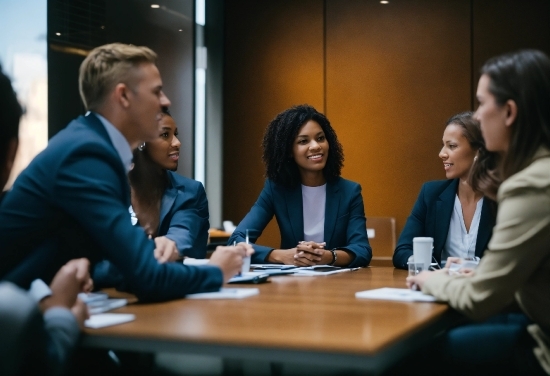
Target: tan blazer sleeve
<point x="520" y="242"/>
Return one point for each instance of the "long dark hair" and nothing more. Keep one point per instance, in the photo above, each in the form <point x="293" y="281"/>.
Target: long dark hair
<point x="523" y="77"/>
<point x="278" y="140"/>
<point x="147" y="179"/>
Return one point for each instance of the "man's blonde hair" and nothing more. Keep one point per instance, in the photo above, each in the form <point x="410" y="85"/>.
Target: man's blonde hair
<point x="106" y="66"/>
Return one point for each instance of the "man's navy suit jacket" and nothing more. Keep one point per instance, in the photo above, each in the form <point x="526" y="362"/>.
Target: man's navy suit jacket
<point x="72" y="201"/>
<point x="431" y="217"/>
<point x="345" y="223"/>
<point x="183" y="219"/>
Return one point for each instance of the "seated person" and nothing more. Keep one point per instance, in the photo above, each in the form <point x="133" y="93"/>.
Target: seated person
<point x="171" y="208"/>
<point x="50" y="317"/>
<point x="513" y="93"/>
<point x="167" y="204"/>
<point x="457" y="217"/>
<point x="72" y="200"/>
<point x="320" y="215"/>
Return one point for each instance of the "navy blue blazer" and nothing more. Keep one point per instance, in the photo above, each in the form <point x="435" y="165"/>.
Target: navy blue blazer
<point x="431" y="217"/>
<point x="345" y="223"/>
<point x="183" y="219"/>
<point x="184" y="215"/>
<point x="72" y="201"/>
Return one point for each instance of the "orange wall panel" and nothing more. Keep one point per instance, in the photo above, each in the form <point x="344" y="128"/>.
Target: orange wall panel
<point x="273" y="60"/>
<point x="395" y="73"/>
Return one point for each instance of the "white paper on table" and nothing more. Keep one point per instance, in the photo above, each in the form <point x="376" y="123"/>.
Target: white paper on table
<point x="107" y="319"/>
<point x="194" y="261"/>
<point x="389" y="293"/>
<point x="226" y="293"/>
<point x="320" y="270"/>
<point x="272" y="266"/>
<point x="104" y="305"/>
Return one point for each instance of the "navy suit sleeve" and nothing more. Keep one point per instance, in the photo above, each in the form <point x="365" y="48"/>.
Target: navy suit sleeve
<point x="415" y="226"/>
<point x="90" y="190"/>
<point x="189" y="226"/>
<point x="358" y="241"/>
<point x="255" y="221"/>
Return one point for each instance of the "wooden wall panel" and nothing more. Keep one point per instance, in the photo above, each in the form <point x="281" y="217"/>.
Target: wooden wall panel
<point x="273" y="60"/>
<point x="395" y="73"/>
<point x="501" y="26"/>
<point x="390" y="76"/>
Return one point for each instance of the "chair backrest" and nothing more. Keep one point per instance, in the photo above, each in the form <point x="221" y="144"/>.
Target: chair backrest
<point x="381" y="233"/>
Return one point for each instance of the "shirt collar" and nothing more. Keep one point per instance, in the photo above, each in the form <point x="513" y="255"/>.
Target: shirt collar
<point x="119" y="142"/>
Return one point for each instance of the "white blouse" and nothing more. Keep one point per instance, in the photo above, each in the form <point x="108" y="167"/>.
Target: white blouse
<point x="313" y="201"/>
<point x="461" y="243"/>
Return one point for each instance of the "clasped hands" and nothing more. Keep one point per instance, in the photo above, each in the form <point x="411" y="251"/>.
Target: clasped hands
<point x="304" y="254"/>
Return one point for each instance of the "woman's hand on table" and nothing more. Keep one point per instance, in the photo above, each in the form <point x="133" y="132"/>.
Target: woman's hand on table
<point x="417" y="282"/>
<point x="282" y="256"/>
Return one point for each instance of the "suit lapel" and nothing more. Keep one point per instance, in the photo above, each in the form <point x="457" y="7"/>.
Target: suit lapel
<point x="332" y="205"/>
<point x="444" y="210"/>
<point x="294" y="206"/>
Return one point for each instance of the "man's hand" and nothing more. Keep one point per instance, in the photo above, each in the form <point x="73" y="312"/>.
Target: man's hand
<point x="71" y="279"/>
<point x="80" y="311"/>
<point x="230" y="259"/>
<point x="165" y="250"/>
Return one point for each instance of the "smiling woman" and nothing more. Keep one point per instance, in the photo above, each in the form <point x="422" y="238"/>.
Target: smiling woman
<point x="320" y="215"/>
<point x="456" y="216"/>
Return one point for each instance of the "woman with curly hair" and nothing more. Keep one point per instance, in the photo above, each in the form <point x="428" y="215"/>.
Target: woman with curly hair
<point x="320" y="215"/>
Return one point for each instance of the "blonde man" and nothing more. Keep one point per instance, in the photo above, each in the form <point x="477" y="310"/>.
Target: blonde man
<point x="72" y="201"/>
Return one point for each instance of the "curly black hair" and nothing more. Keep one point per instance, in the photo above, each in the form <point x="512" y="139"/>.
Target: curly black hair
<point x="279" y="138"/>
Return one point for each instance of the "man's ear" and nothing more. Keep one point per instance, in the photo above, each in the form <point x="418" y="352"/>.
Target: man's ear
<point x="121" y="93"/>
<point x="511" y="112"/>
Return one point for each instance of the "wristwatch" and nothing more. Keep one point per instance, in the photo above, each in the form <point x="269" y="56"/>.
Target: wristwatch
<point x="334" y="256"/>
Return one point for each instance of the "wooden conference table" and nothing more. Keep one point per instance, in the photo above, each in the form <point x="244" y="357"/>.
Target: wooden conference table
<point x="315" y="320"/>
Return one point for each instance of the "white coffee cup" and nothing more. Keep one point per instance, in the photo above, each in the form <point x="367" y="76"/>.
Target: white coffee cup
<point x="422" y="251"/>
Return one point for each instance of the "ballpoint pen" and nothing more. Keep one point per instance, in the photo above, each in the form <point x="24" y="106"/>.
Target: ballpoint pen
<point x="246" y="259"/>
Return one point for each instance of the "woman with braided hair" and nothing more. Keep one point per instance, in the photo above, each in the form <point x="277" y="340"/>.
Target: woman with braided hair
<point x="320" y="215"/>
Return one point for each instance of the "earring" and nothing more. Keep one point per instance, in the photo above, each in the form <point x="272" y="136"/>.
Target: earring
<point x="475" y="158"/>
<point x="141" y="147"/>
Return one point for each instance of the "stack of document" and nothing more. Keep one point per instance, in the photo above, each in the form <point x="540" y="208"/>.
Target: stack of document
<point x="100" y="302"/>
<point x="226" y="293"/>
<point x="278" y="269"/>
<point x="321" y="270"/>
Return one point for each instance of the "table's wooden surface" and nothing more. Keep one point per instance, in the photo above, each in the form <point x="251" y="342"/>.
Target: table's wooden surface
<point x="299" y="314"/>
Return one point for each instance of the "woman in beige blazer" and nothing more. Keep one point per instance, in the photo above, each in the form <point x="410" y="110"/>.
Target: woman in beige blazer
<point x="514" y="113"/>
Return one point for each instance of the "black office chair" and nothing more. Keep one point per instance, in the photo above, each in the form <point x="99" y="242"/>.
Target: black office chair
<point x="22" y="339"/>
